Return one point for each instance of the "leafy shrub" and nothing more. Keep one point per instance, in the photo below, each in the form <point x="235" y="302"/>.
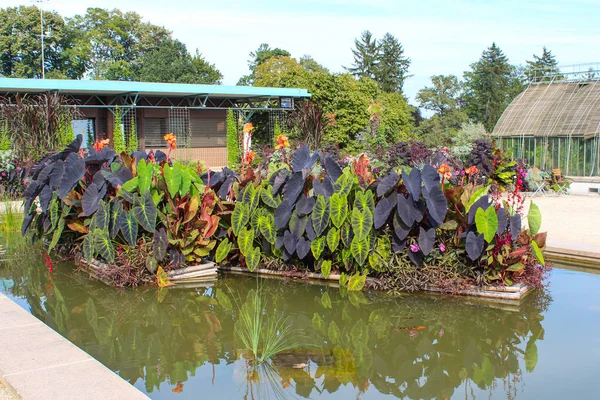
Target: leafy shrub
<point x="463" y="141"/>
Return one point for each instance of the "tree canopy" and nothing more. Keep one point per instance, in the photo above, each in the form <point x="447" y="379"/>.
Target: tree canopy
<point x="542" y="68"/>
<point x="259" y="56"/>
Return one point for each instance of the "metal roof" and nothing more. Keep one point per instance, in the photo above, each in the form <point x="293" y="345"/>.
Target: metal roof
<point x="111" y="88"/>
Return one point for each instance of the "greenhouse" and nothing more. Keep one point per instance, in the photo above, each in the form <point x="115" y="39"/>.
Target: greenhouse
<point x="556" y="124"/>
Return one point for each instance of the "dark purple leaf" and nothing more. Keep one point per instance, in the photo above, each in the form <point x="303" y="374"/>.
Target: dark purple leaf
<point x="325" y="188"/>
<point x="400" y="228"/>
<point x="293" y="187"/>
<point x="27" y="222"/>
<point x="332" y="168"/>
<point x="73" y="147"/>
<point x="223" y="191"/>
<point x="426" y="240"/>
<point x="302" y="159"/>
<point x="474" y="245"/>
<point x="105" y="156"/>
<point x="90" y="199"/>
<point x="279" y="242"/>
<point x="176" y="258"/>
<point x="409" y="210"/>
<point x="160" y="156"/>
<point x="289" y="241"/>
<point x="32" y="191"/>
<point x="118" y="177"/>
<point x="56" y="174"/>
<point x="279" y="179"/>
<point x="416" y="258"/>
<point x="160" y="244"/>
<point x="437" y="205"/>
<point x="45" y="197"/>
<point x="310" y="231"/>
<point x="302" y="248"/>
<point x="383" y="209"/>
<point x="305" y="205"/>
<point x="298" y="224"/>
<point x="283" y="214"/>
<point x="387" y="184"/>
<point x="502" y="220"/>
<point x="412" y="182"/>
<point x="483" y="202"/>
<point x="397" y="244"/>
<point x="515" y="226"/>
<point x="287" y="256"/>
<point x="74" y="171"/>
<point x="430" y="177"/>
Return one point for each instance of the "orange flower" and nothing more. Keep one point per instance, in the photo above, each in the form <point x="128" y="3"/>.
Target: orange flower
<point x="444" y="169"/>
<point x="248" y="127"/>
<point x="282" y="141"/>
<point x="171" y="140"/>
<point x="250" y="157"/>
<point x="99" y="145"/>
<point x="472" y="170"/>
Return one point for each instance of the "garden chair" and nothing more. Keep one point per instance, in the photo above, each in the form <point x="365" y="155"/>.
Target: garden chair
<point x="540" y="184"/>
<point x="560" y="183"/>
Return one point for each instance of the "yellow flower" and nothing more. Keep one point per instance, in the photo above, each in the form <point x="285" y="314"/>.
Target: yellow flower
<point x="248" y="127"/>
<point x="171" y="140"/>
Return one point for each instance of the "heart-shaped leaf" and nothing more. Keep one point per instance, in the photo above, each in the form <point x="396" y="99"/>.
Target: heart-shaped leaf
<point x="302" y="248"/>
<point x="483" y="202"/>
<point x="325" y="269"/>
<point x="74" y="171"/>
<point x="333" y="239"/>
<point x="356" y="283"/>
<point x="172" y="177"/>
<point x="283" y="214"/>
<point x="408" y="210"/>
<point x="310" y="232"/>
<point x="144" y="211"/>
<point x="339" y="209"/>
<point x="360" y="249"/>
<point x="253" y="258"/>
<point x="383" y="209"/>
<point x="302" y="159"/>
<point x="320" y="215"/>
<point x="293" y="187"/>
<point x="400" y="228"/>
<point x="250" y="197"/>
<point x="332" y="168"/>
<point x="515" y="226"/>
<point x="487" y="223"/>
<point x="361" y="223"/>
<point x="160" y="244"/>
<point x="426" y="240"/>
<point x="430" y="177"/>
<point x="144" y="174"/>
<point x="474" y="245"/>
<point x="289" y="241"/>
<point x="267" y="228"/>
<point x="90" y="199"/>
<point x="129" y="227"/>
<point x="363" y="200"/>
<point x="116" y="209"/>
<point x="437" y="205"/>
<point x="502" y="220"/>
<point x="240" y="217"/>
<point x="324" y="188"/>
<point x="346" y="234"/>
<point x="388" y="183"/>
<point x="222" y="250"/>
<point x="534" y="219"/>
<point x="298" y="224"/>
<point x="103" y="245"/>
<point x="412" y="182"/>
<point x="317" y="246"/>
<point x="305" y="205"/>
<point x="267" y="197"/>
<point x="245" y="241"/>
<point x="88" y="247"/>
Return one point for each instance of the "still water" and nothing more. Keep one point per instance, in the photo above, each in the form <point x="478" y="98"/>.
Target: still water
<point x="183" y="343"/>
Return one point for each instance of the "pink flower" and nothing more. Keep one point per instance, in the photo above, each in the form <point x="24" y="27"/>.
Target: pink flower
<point x="414" y="247"/>
<point x="442" y="247"/>
<point x="18" y="168"/>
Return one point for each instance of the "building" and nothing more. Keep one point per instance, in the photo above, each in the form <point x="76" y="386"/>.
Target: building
<point x="195" y="113"/>
<point x="555" y="123"/>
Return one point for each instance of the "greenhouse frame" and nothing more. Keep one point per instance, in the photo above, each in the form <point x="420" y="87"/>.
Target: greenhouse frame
<point x="555" y="123"/>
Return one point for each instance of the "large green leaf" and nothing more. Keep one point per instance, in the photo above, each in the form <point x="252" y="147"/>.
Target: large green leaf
<point x="537" y="253"/>
<point x="476" y="196"/>
<point x="129" y="186"/>
<point x="362" y="221"/>
<point x="534" y="219"/>
<point x="251" y="197"/>
<point x="346" y="234"/>
<point x="239" y="217"/>
<point x="103" y="245"/>
<point x="129" y="227"/>
<point x="360" y="249"/>
<point x="267" y="228"/>
<point x="116" y="209"/>
<point x="245" y="241"/>
<point x="320" y="214"/>
<point x="144" y="211"/>
<point x="172" y="177"/>
<point x="267" y="197"/>
<point x="343" y="184"/>
<point x="339" y="209"/>
<point x="363" y="200"/>
<point x="53" y="211"/>
<point x="102" y="216"/>
<point x="253" y="258"/>
<point x="88" y="247"/>
<point x="57" y="233"/>
<point x="144" y="175"/>
<point x="222" y="250"/>
<point x="357" y="282"/>
<point x="487" y="223"/>
<point x="317" y="246"/>
<point x="333" y="239"/>
<point x="186" y="181"/>
<point x="326" y="268"/>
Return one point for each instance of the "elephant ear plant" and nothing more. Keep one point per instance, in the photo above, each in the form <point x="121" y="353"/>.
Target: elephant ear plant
<point x="136" y="210"/>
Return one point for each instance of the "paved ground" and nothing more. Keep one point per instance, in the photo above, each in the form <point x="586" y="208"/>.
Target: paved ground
<point x="572" y="222"/>
<point x="4" y="394"/>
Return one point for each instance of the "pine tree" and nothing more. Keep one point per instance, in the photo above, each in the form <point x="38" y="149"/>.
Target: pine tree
<point x="366" y="56"/>
<point x="489" y="87"/>
<point x="392" y="67"/>
<point x="544" y="68"/>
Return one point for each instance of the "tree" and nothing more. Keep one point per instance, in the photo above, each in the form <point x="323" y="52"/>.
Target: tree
<point x="310" y="65"/>
<point x="262" y="54"/>
<point x="281" y="72"/>
<point x="489" y="87"/>
<point x="172" y="63"/>
<point x="366" y="56"/>
<point x="116" y="41"/>
<point x="392" y="66"/>
<point x="544" y="68"/>
<point x="443" y="96"/>
<point x="21" y="45"/>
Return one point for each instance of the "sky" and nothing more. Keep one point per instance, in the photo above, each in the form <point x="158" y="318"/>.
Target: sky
<point x="440" y="37"/>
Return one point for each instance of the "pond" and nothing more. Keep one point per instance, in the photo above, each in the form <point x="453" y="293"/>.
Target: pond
<point x="187" y="342"/>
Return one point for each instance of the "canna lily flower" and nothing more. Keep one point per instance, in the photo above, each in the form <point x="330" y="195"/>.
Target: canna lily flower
<point x="282" y="141"/>
<point x="99" y="145"/>
<point x="472" y="170"/>
<point x="443" y="169"/>
<point x="248" y="127"/>
<point x="171" y="141"/>
<point x="249" y="157"/>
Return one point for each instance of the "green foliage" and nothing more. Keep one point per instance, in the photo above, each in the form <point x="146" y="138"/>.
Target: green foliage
<point x="233" y="141"/>
<point x="487" y="223"/>
<point x="118" y="134"/>
<point x="534" y="218"/>
<point x="132" y="138"/>
<point x="543" y="68"/>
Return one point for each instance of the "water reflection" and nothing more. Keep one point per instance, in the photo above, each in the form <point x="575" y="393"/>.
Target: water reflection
<point x="360" y="344"/>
